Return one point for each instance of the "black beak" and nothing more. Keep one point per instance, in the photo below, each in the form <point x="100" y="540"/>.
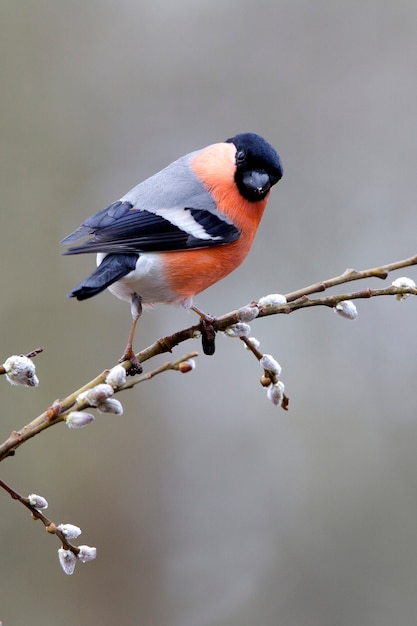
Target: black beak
<point x="257" y="182"/>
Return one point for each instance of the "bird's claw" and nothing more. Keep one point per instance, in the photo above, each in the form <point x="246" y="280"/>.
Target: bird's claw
<point x="135" y="364"/>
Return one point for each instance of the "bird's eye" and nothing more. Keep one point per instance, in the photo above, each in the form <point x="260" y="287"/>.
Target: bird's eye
<point x="240" y="156"/>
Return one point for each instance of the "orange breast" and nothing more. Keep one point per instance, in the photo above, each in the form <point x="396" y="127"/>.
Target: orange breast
<point x="189" y="272"/>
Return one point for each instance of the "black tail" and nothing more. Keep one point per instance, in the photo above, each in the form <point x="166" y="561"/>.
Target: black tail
<point x="112" y="268"/>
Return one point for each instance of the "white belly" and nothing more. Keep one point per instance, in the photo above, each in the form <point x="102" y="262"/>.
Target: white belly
<point x="146" y="280"/>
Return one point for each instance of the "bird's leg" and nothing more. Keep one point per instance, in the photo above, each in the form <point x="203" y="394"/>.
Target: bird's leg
<point x="208" y="333"/>
<point x="128" y="354"/>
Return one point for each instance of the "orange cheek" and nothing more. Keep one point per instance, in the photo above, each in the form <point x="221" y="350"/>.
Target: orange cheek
<point x="215" y="167"/>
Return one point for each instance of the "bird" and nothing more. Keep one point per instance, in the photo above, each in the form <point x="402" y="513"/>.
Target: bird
<point x="181" y="230"/>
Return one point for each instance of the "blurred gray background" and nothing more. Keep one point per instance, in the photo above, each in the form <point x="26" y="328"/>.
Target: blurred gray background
<point x="208" y="506"/>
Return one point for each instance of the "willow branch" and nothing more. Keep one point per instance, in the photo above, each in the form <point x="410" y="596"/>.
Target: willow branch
<point x="50" y="526"/>
<point x="60" y="409"/>
<point x="349" y="275"/>
<point x="295" y="300"/>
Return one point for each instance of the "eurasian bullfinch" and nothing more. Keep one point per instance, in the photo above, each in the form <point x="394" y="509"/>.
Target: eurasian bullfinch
<point x="181" y="230"/>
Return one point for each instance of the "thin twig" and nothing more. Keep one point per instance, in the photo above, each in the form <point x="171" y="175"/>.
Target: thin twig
<point x="350" y="275"/>
<point x="50" y="526"/>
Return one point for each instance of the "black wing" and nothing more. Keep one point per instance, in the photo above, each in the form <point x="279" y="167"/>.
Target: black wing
<point x="123" y="228"/>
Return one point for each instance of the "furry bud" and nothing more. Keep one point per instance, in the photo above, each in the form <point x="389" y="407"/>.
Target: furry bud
<point x="20" y="371"/>
<point x="67" y="560"/>
<point x="346" y="309"/>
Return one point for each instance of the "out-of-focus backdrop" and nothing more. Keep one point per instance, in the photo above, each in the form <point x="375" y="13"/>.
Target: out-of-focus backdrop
<point x="208" y="506"/>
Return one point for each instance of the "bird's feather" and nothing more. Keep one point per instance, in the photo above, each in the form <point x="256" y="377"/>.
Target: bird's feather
<point x="112" y="268"/>
<point x="156" y="215"/>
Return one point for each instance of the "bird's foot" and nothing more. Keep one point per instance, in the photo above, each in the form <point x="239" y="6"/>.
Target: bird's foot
<point x="135" y="365"/>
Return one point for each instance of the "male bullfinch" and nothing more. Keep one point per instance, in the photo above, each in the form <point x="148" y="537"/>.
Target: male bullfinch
<point x="181" y="230"/>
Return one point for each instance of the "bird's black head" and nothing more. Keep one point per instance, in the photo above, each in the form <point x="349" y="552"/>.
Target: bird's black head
<point x="258" y="166"/>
